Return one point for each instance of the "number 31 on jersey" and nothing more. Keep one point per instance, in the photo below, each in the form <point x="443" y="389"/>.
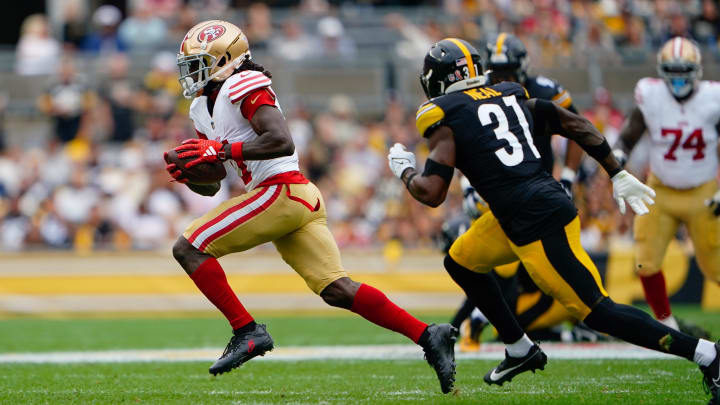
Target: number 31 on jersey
<point x="515" y="156"/>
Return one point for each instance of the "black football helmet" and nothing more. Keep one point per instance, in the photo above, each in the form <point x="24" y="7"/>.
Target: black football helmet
<point x="451" y="230"/>
<point x="506" y="57"/>
<point x="450" y="65"/>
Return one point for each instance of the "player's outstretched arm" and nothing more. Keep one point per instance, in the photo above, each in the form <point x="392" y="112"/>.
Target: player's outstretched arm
<point x="430" y="187"/>
<point x="552" y="119"/>
<point x="631" y="132"/>
<point x="573" y="158"/>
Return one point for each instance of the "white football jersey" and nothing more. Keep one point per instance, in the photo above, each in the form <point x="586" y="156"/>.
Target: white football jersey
<point x="228" y="124"/>
<point x="683" y="151"/>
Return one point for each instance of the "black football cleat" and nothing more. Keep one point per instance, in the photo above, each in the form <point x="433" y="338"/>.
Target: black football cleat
<point x="440" y="353"/>
<point x="711" y="378"/>
<point x="243" y="347"/>
<point x="510" y="367"/>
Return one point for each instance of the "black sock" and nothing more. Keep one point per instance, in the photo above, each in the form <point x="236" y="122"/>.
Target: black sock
<point x="546" y="335"/>
<point x="484" y="292"/>
<point x="423" y="341"/>
<point x="635" y="326"/>
<point x="463" y="313"/>
<point x="245" y="328"/>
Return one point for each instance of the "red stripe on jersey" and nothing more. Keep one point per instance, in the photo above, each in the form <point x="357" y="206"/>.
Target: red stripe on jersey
<point x="247" y="78"/>
<point x="200" y="134"/>
<point x="259" y="83"/>
<point x="224" y="214"/>
<point x="241" y="220"/>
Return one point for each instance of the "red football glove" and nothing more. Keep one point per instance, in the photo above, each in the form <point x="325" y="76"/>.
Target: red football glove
<point x="206" y="151"/>
<point x="175" y="173"/>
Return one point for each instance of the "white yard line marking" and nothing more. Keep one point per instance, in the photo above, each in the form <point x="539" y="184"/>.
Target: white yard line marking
<point x="489" y="351"/>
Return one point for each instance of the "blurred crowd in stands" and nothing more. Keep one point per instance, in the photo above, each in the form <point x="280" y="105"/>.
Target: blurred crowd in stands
<point x="99" y="182"/>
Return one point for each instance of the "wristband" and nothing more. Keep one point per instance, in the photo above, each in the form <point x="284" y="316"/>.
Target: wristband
<point x="409" y="179"/>
<point x="236" y="151"/>
<point x="598" y="152"/>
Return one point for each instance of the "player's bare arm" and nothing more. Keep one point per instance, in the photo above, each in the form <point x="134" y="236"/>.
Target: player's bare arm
<point x="430" y="187"/>
<point x="631" y="132"/>
<point x="274" y="140"/>
<point x="573" y="157"/>
<point x="552" y="119"/>
<point x="558" y="120"/>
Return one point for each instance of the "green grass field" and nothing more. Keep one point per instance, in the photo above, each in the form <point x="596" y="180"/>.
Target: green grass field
<point x="315" y="381"/>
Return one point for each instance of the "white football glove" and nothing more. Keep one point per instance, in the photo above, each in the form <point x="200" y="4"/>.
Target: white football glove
<point x="400" y="159"/>
<point x="627" y="188"/>
<point x="714" y="204"/>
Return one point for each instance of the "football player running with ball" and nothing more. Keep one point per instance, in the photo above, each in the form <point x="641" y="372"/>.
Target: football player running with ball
<point x="238" y="120"/>
<point x="681" y="114"/>
<point x="487" y="132"/>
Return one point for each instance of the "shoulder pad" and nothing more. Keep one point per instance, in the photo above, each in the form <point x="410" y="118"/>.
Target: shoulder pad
<point x="429" y="115"/>
<point x="643" y="86"/>
<point x="241" y="84"/>
<point x="562" y="98"/>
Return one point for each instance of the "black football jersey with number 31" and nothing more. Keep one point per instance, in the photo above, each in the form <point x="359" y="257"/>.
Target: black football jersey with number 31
<point x="494" y="149"/>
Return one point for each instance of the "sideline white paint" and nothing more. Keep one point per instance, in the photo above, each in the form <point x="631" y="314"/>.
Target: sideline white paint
<point x="489" y="351"/>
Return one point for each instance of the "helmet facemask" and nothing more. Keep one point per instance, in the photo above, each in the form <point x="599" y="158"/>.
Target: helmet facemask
<point x="195" y="70"/>
<point x="680" y="77"/>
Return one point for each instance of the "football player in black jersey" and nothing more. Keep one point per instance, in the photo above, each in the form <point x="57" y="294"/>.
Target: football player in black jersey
<point x="486" y="131"/>
<point x="506" y="59"/>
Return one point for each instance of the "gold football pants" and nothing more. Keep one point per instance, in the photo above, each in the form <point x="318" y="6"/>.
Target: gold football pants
<point x="291" y="216"/>
<point x="654" y="231"/>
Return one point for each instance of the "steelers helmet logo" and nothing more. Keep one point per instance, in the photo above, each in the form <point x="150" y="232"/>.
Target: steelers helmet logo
<point x="211" y="33"/>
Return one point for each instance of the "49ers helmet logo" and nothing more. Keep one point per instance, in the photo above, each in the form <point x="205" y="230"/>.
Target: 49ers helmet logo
<point x="211" y="33"/>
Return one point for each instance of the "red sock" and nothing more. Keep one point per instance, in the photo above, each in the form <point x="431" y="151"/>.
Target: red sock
<point x="656" y="294"/>
<point x="210" y="279"/>
<point x="373" y="305"/>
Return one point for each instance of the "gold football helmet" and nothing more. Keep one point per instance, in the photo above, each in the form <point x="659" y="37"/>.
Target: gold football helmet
<point x="211" y="50"/>
<point x="679" y="65"/>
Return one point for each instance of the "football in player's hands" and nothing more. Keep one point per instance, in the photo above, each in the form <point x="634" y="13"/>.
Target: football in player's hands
<point x="202" y="173"/>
